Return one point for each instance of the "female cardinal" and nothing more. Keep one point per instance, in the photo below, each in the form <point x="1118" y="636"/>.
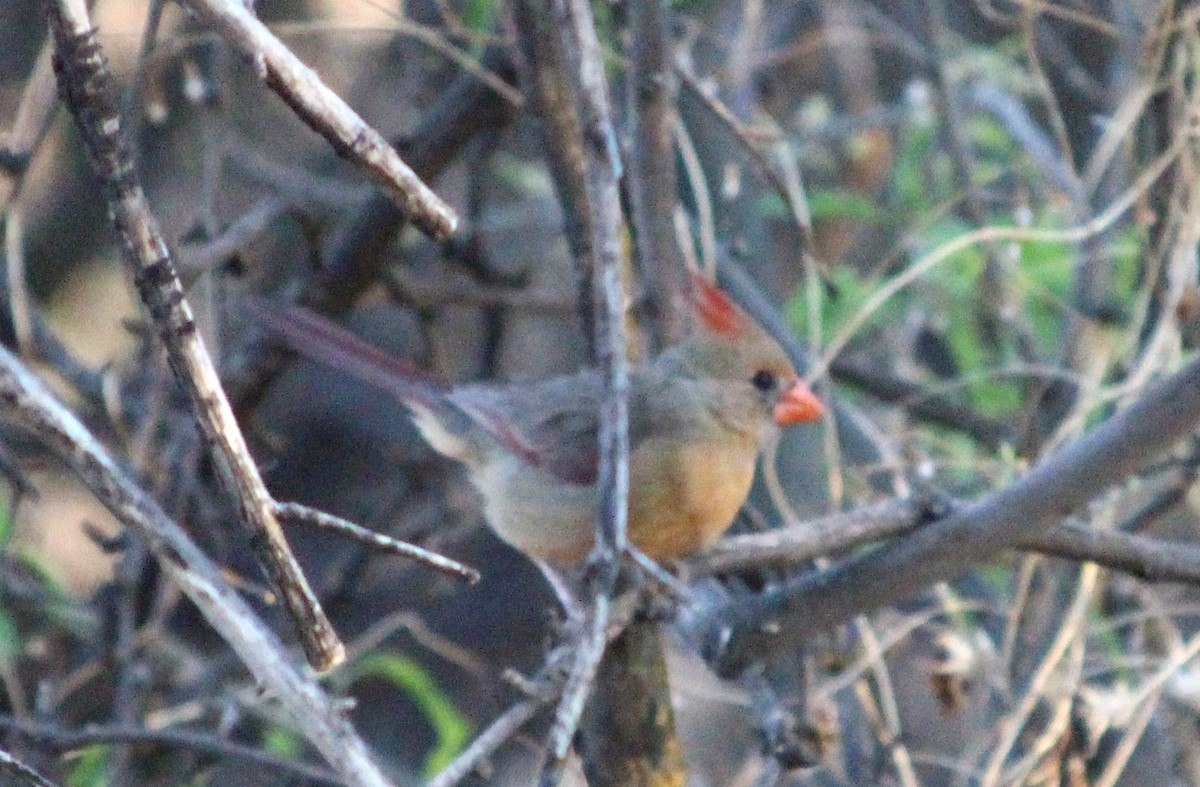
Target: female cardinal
<point x="699" y="415"/>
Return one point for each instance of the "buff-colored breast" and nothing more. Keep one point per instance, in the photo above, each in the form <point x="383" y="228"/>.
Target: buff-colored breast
<point x="684" y="495"/>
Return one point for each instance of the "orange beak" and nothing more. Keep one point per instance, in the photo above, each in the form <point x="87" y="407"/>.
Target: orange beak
<point x="798" y="404"/>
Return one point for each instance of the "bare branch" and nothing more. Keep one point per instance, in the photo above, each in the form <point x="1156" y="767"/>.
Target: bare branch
<point x="22" y="772"/>
<point x="88" y="88"/>
<point x="327" y="114"/>
<point x="650" y="99"/>
<point x="1150" y="559"/>
<point x="300" y="513"/>
<point x="601" y="172"/>
<point x="60" y="738"/>
<point x="26" y="402"/>
<point x="1062" y="483"/>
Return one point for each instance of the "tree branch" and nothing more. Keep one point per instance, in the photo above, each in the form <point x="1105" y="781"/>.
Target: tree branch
<point x="1062" y="483"/>
<point x="89" y="90"/>
<point x="327" y="114"/>
<point x="27" y="403"/>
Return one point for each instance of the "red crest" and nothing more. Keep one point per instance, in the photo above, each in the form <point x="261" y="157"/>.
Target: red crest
<point x="715" y="309"/>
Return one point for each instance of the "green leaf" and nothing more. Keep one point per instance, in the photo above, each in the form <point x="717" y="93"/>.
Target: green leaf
<point x="450" y="727"/>
<point x="478" y="16"/>
<point x="838" y="204"/>
<point x="5" y="519"/>
<point x="10" y="638"/>
<point x="91" y="767"/>
<point x="283" y="742"/>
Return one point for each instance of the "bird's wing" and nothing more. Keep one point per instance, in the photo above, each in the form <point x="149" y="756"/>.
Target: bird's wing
<point x="551" y="424"/>
<point x="554" y="424"/>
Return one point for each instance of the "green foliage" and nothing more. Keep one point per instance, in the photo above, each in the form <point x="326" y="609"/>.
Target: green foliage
<point x="923" y="197"/>
<point x="479" y="16"/>
<point x="283" y="742"/>
<point x="827" y="204"/>
<point x="10" y="638"/>
<point x="451" y="728"/>
<point x="6" y="528"/>
<point x="92" y="767"/>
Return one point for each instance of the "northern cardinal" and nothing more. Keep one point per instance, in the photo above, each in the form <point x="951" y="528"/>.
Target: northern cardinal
<point x="699" y="415"/>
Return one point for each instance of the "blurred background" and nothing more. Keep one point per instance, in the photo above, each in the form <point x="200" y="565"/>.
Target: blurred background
<point x="827" y="149"/>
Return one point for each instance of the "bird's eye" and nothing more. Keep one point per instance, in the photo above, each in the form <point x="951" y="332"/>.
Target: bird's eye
<point x="763" y="380"/>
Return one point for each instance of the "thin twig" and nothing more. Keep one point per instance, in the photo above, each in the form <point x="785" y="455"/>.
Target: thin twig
<point x="653" y="193"/>
<point x="88" y="88"/>
<point x="601" y="172"/>
<point x="26" y="401"/>
<point x="63" y="739"/>
<point x="1063" y="482"/>
<point x="1149" y="559"/>
<point x="327" y="114"/>
<point x="19" y="770"/>
<point x="301" y="513"/>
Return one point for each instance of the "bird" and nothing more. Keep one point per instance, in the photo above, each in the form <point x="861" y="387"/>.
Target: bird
<point x="700" y="414"/>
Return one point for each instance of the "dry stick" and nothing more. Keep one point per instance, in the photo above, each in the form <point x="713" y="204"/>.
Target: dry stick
<point x="601" y="171"/>
<point x="1066" y="480"/>
<point x="327" y="114"/>
<point x="88" y="88"/>
<point x="628" y="734"/>
<point x="540" y="691"/>
<point x="1148" y="559"/>
<point x="547" y="73"/>
<point x="355" y="254"/>
<point x="19" y="770"/>
<point x="301" y="513"/>
<point x="653" y="192"/>
<point x="58" y="738"/>
<point x="25" y="401"/>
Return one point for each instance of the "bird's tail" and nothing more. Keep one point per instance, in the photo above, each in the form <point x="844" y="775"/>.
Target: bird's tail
<point x="447" y="426"/>
<point x="319" y="339"/>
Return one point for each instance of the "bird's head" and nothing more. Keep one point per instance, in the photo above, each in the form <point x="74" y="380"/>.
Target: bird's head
<point x="728" y="347"/>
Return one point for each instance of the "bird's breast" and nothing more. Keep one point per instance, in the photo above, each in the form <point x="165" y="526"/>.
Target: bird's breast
<point x="685" y="494"/>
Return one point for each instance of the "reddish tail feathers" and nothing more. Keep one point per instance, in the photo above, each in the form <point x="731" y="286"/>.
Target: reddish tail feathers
<point x="318" y="339"/>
